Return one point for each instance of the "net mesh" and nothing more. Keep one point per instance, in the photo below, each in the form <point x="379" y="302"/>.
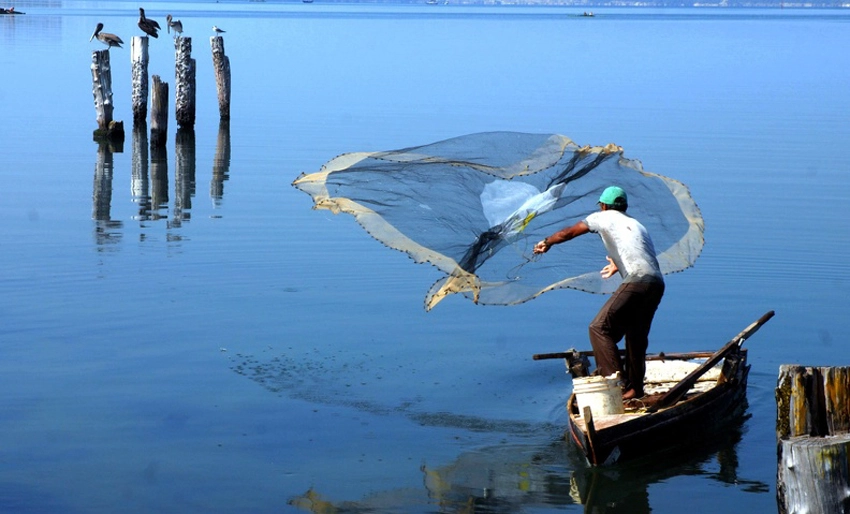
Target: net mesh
<point x="475" y="205"/>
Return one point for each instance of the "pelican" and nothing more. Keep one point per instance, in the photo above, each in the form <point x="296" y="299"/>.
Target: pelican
<point x="148" y="26"/>
<point x="105" y="37"/>
<point x="218" y="30"/>
<point x="174" y="24"/>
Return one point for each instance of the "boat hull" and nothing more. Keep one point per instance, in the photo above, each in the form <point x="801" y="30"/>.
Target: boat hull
<point x="637" y="436"/>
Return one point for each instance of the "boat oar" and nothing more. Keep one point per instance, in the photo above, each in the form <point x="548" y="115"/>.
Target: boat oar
<point x="677" y="391"/>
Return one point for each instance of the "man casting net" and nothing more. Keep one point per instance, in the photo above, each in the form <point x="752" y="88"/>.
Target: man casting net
<point x="474" y="206"/>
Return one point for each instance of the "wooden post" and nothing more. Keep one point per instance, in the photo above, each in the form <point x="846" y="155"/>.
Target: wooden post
<point x="101" y="73"/>
<point x="221" y="66"/>
<point x="813" y="433"/>
<point x="159" y="112"/>
<point x="184" y="89"/>
<point x="139" y="64"/>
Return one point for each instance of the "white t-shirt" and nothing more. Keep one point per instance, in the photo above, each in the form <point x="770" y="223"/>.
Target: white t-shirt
<point x="628" y="244"/>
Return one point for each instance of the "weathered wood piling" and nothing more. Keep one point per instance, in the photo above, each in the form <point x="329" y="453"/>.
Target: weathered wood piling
<point x="221" y="66"/>
<point x="139" y="65"/>
<point x="101" y="71"/>
<point x="184" y="78"/>
<point x="813" y="439"/>
<point x="159" y="113"/>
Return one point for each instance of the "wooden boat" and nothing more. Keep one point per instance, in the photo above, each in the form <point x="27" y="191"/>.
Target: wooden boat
<point x="687" y="395"/>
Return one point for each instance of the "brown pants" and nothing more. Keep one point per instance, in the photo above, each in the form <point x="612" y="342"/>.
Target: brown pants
<point x="628" y="313"/>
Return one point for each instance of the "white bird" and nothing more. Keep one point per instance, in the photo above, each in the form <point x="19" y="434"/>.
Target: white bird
<point x="177" y="25"/>
<point x="217" y="30"/>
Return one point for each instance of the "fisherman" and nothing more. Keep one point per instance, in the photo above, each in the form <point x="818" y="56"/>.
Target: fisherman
<point x="632" y="306"/>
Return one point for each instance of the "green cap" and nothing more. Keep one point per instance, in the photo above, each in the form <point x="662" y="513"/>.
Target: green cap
<point x="615" y="196"/>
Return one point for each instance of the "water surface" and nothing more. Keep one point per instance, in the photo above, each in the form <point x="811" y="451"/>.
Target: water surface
<point x="226" y="348"/>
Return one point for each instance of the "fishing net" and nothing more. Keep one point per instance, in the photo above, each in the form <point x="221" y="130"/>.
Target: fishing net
<point x="475" y="205"/>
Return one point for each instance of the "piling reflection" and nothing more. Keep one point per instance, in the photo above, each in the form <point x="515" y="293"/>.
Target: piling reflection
<point x="159" y="181"/>
<point x="184" y="176"/>
<point x="139" y="183"/>
<point x="221" y="163"/>
<point x="107" y="230"/>
<point x="514" y="478"/>
<point x="149" y="181"/>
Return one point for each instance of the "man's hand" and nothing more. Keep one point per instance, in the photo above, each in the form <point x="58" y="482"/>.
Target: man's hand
<point x="609" y="270"/>
<point x="541" y="247"/>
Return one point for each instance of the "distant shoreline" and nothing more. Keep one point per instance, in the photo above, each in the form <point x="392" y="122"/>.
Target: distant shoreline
<point x="718" y="4"/>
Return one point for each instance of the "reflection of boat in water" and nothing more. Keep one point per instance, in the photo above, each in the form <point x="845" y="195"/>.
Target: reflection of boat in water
<point x="687" y="395"/>
<point x="626" y="487"/>
<point x="521" y="477"/>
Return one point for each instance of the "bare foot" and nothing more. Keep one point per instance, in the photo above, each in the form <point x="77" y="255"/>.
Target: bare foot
<point x="631" y="394"/>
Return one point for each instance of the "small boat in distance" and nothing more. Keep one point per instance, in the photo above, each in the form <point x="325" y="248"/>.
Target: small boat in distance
<point x="687" y="394"/>
<point x="10" y="10"/>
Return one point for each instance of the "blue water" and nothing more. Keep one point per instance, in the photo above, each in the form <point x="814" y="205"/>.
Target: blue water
<point x="235" y="351"/>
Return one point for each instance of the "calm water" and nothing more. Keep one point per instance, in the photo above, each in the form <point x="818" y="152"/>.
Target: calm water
<point x="228" y="349"/>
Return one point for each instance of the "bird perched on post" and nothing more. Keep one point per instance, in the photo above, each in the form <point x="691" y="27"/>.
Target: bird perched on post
<point x="218" y="30"/>
<point x="148" y="26"/>
<point x="106" y="38"/>
<point x="177" y="25"/>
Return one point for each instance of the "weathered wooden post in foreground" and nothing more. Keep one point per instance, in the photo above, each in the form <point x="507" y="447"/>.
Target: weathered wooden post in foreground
<point x="139" y="64"/>
<point x="184" y="78"/>
<point x="813" y="439"/>
<point x="101" y="74"/>
<point x="221" y="66"/>
<point x="159" y="112"/>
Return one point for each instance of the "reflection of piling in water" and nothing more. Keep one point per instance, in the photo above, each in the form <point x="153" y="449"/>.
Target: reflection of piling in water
<point x="159" y="178"/>
<point x="184" y="174"/>
<point x="221" y="66"/>
<point x="159" y="113"/>
<point x="184" y="73"/>
<point x="102" y="190"/>
<point x="221" y="162"/>
<point x="139" y="64"/>
<point x="101" y="71"/>
<point x="139" y="183"/>
<point x="102" y="196"/>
